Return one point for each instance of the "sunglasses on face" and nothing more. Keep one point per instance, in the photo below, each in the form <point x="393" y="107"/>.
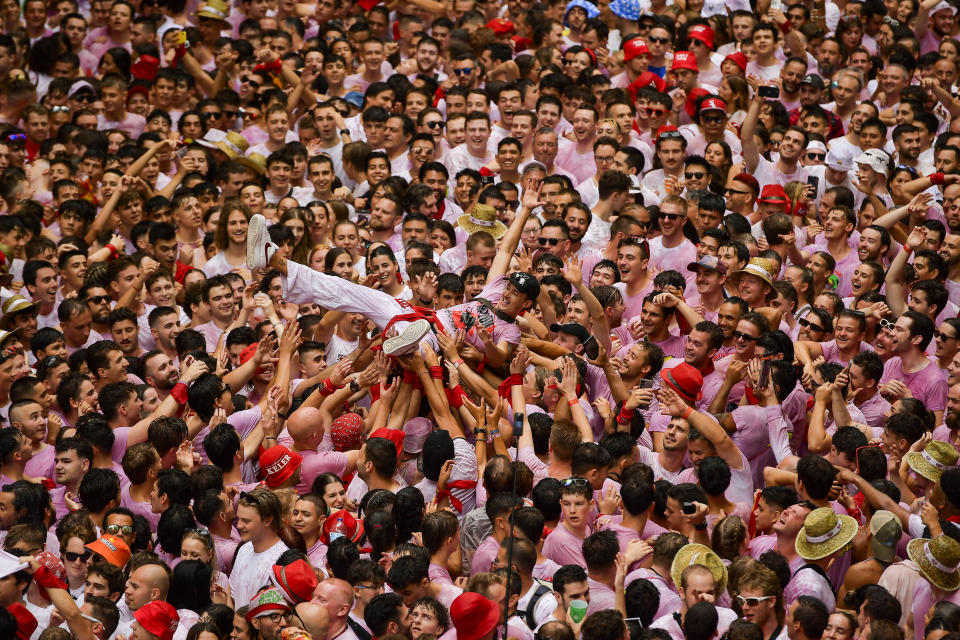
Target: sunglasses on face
<point x="248" y="80"/>
<point x="230" y="114"/>
<point x="117" y="529"/>
<point x="60" y="109"/>
<point x="17" y="137"/>
<point x="551" y="241"/>
<point x="216" y="115"/>
<point x="728" y="192"/>
<point x="70" y="556"/>
<point x="887" y="324"/>
<point x="436" y="124"/>
<point x="657" y="40"/>
<point x="817" y="157"/>
<point x="746" y="337"/>
<point x="675" y="216"/>
<point x="712" y="119"/>
<point x="693" y="175"/>
<point x="98" y="299"/>
<point x="939" y="335"/>
<point x="753" y="601"/>
<point x="463" y="72"/>
<point x="655" y="113"/>
<point x="806" y="323"/>
<point x="86" y="98"/>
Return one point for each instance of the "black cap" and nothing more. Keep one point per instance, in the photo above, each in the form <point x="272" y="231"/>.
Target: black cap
<point x="814" y="79"/>
<point x="526" y="284"/>
<point x="574" y="329"/>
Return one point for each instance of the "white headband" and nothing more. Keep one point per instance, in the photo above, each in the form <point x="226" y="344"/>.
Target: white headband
<point x="939" y="465"/>
<point x="936" y="563"/>
<point x="830" y="534"/>
<point x="483" y="223"/>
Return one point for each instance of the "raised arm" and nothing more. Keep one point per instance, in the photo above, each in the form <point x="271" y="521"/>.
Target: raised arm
<point x="749" y="151"/>
<point x="508" y="245"/>
<point x="669" y="300"/>
<point x="894" y="279"/>
<point x="670" y="402"/>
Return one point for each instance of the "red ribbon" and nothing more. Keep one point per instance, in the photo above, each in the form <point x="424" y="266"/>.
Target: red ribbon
<point x="455" y="484"/>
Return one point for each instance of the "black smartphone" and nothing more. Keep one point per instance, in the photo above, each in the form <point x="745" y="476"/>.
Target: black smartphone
<point x="689" y="508"/>
<point x="645" y="383"/>
<point x="769" y="92"/>
<point x="846" y="387"/>
<point x="764" y="373"/>
<point x="813" y="181"/>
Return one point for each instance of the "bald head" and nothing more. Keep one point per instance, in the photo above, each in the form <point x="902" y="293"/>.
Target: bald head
<point x="315" y="619"/>
<point x="157" y="577"/>
<point x="305" y="423"/>
<point x="336" y="596"/>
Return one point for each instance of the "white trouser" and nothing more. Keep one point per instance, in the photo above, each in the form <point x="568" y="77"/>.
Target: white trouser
<point x="303" y="284"/>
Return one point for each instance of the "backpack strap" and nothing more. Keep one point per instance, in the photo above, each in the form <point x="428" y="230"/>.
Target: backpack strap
<point x="528" y="615"/>
<point x="817" y="569"/>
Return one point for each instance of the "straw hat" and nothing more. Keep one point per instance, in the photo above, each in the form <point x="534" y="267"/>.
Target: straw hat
<point x="694" y="553"/>
<point x="12" y="306"/>
<point x="759" y="267"/>
<point x="214" y="10"/>
<point x="233" y="145"/>
<point x="824" y="533"/>
<point x="935" y="458"/>
<point x="938" y="560"/>
<point x="482" y="217"/>
<point x="255" y="162"/>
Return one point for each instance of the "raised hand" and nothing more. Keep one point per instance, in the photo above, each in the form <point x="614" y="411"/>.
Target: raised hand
<point x="670" y="402"/>
<point x="521" y="358"/>
<point x="573" y="269"/>
<point x="340" y="372"/>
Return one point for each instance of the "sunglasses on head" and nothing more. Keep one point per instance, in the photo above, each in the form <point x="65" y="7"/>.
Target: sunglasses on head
<point x="60" y="108"/>
<point x="573" y="482"/>
<point x="806" y="323"/>
<point x="887" y="324"/>
<point x="746" y="337"/>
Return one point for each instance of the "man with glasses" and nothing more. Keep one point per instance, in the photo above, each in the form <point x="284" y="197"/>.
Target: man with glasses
<point x="672" y="250"/>
<point x="741" y="194"/>
<point x="269" y="613"/>
<point x="749" y="328"/>
<point x="659" y="41"/>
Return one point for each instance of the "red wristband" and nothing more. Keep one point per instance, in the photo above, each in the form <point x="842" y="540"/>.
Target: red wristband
<point x="786" y="27"/>
<point x="375" y="393"/>
<point x="327" y="388"/>
<point x="455" y="396"/>
<point x="570" y="403"/>
<point x="114" y="254"/>
<point x="936" y="178"/>
<point x="436" y="372"/>
<point x="509" y="381"/>
<point x="625" y="415"/>
<point x="686" y="414"/>
<point x="409" y="377"/>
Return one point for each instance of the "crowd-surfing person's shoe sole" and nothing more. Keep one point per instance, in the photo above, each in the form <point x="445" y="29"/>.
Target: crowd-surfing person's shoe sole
<point x="407" y="340"/>
<point x="258" y="243"/>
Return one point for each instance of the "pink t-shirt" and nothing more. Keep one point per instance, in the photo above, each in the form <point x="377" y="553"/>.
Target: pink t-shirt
<point x="41" y="464"/>
<point x="669" y="600"/>
<point x="472" y="314"/>
<point x="563" y="547"/>
<point x="484" y="556"/>
<point x="439" y="574"/>
<point x="676" y="258"/>
<point x="929" y="385"/>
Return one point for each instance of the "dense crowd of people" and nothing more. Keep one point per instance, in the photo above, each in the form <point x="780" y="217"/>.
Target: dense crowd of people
<point x="465" y="320"/>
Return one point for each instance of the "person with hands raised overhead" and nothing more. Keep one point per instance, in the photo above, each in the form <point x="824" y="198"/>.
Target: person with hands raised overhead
<point x="794" y="143"/>
<point x="489" y="321"/>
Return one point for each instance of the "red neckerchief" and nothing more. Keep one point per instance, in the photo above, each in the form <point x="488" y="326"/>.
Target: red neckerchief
<point x="456" y="484"/>
<point x="441" y="207"/>
<point x="954" y="519"/>
<point x="707" y="370"/>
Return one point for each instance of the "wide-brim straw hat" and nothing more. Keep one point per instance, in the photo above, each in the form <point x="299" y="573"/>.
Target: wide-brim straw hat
<point x="12" y="306"/>
<point x="255" y="162"/>
<point x="938" y="560"/>
<point x="482" y="217"/>
<point x="233" y="145"/>
<point x="759" y="267"/>
<point x="214" y="10"/>
<point x="694" y="553"/>
<point x="824" y="533"/>
<point x="935" y="458"/>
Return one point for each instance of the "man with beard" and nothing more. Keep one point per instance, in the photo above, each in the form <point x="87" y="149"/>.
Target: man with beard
<point x="269" y="613"/>
<point x="874" y="244"/>
<point x="125" y="332"/>
<point x="934" y="24"/>
<point x="578" y="218"/>
<point x="906" y="139"/>
<point x="791" y="74"/>
<point x="949" y="431"/>
<point x="910" y="367"/>
<point x="786" y="168"/>
<point x="165" y="327"/>
<point x="160" y="372"/>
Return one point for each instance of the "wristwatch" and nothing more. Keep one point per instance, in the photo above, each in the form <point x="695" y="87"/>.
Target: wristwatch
<point x="354" y="387"/>
<point x="344" y="132"/>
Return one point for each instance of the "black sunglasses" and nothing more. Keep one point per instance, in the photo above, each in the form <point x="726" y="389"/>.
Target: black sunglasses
<point x="746" y="337"/>
<point x="658" y="40"/>
<point x="70" y="556"/>
<point x="806" y="323"/>
<point x="98" y="299"/>
<point x="692" y="175"/>
<point x="574" y="482"/>
<point x="551" y="241"/>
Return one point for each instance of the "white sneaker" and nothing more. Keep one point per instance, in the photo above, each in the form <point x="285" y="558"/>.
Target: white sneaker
<point x="259" y="247"/>
<point x="408" y="340"/>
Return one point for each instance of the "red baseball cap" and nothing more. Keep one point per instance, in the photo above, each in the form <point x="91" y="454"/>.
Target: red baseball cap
<point x="159" y="618"/>
<point x="634" y="48"/>
<point x="715" y="104"/>
<point x="648" y="78"/>
<point x="278" y="464"/>
<point x="500" y="26"/>
<point x="691" y="104"/>
<point x="773" y="193"/>
<point x="685" y="379"/>
<point x="703" y="33"/>
<point x="668" y="128"/>
<point x="684" y="60"/>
